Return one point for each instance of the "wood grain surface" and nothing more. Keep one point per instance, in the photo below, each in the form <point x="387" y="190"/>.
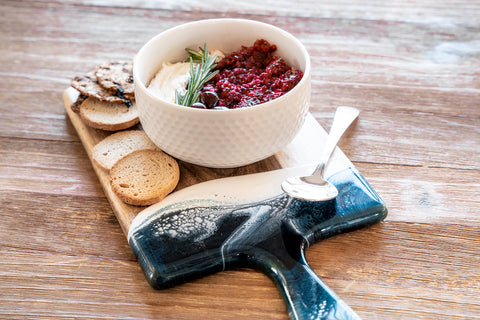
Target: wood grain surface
<point x="412" y="67"/>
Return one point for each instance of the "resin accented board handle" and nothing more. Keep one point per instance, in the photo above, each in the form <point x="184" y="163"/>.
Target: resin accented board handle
<point x="306" y="295"/>
<point x="248" y="222"/>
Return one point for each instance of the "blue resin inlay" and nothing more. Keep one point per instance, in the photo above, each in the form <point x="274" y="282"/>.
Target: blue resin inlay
<point x="178" y="245"/>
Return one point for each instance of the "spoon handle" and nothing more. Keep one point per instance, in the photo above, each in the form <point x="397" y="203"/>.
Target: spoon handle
<point x="344" y="116"/>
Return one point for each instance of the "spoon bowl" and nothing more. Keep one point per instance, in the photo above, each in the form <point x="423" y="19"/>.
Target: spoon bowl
<point x="303" y="189"/>
<point x="315" y="187"/>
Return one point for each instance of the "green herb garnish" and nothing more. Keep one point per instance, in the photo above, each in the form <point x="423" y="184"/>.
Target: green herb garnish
<point x="200" y="74"/>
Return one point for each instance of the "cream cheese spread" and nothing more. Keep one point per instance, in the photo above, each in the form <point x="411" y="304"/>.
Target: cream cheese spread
<point x="173" y="76"/>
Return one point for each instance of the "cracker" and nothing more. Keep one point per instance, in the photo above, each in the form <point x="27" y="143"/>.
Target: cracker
<point x="144" y="177"/>
<point x="117" y="77"/>
<point x="107" y="115"/>
<point x="114" y="147"/>
<point x="75" y="106"/>
<point x="88" y="85"/>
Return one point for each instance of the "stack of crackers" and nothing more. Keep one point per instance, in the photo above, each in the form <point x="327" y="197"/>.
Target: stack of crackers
<point x="107" y="99"/>
<point x="140" y="173"/>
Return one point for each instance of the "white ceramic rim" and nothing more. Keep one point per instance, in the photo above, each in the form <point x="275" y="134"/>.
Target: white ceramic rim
<point x="306" y="72"/>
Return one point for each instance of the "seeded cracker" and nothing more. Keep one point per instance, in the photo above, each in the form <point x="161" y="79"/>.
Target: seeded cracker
<point x="117" y="77"/>
<point x="88" y="85"/>
<point x="76" y="105"/>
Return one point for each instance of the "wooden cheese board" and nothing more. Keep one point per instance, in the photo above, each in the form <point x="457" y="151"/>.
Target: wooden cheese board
<point x="304" y="149"/>
<point x="245" y="220"/>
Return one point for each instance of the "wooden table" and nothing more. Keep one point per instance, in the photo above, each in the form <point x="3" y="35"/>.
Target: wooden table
<point x="413" y="68"/>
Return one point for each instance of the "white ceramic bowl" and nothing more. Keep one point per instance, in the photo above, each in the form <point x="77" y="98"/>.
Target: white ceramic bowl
<point x="220" y="138"/>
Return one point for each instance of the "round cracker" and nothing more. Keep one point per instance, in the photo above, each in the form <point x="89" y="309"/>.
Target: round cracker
<point x="75" y="106"/>
<point x="88" y="85"/>
<point x="107" y="115"/>
<point x="116" y="77"/>
<point x="114" y="147"/>
<point x="144" y="177"/>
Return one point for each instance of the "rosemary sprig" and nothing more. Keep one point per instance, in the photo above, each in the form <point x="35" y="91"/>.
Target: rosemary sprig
<point x="196" y="55"/>
<point x="200" y="74"/>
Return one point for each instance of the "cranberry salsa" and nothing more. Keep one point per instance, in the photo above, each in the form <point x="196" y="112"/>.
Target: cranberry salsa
<point x="249" y="76"/>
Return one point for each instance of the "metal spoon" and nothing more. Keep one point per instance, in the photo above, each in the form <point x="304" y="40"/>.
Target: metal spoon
<point x="315" y="187"/>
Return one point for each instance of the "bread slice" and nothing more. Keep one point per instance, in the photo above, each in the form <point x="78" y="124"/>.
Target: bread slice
<point x="114" y="147"/>
<point x="144" y="177"/>
<point x="110" y="116"/>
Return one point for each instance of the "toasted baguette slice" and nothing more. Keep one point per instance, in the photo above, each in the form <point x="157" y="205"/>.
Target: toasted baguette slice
<point x="114" y="147"/>
<point x="144" y="177"/>
<point x="110" y="116"/>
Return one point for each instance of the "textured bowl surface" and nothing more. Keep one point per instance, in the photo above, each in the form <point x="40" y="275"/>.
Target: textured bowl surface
<point x="220" y="138"/>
